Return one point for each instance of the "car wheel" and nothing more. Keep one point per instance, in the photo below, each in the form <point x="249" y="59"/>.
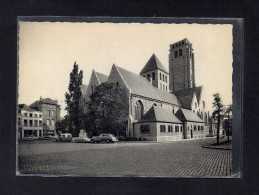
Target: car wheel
<point x="92" y="141"/>
<point x="107" y="141"/>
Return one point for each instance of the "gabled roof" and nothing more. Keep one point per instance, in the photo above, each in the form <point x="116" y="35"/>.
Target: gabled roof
<point x="35" y="104"/>
<point x="159" y="114"/>
<point x="185" y="95"/>
<point x="102" y="77"/>
<point x="26" y="108"/>
<point x="153" y="64"/>
<point x="84" y="88"/>
<point x="186" y="101"/>
<point x="45" y="100"/>
<point x="141" y="86"/>
<point x="187" y="115"/>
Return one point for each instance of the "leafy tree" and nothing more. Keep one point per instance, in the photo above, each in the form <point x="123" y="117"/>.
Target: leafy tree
<point x="62" y="124"/>
<point x="107" y="110"/>
<point x="218" y="112"/>
<point x="73" y="97"/>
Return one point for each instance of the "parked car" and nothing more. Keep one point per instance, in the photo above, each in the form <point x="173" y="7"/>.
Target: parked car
<point x="49" y="135"/>
<point x="82" y="139"/>
<point x="104" y="137"/>
<point x="64" y="137"/>
<point x="30" y="137"/>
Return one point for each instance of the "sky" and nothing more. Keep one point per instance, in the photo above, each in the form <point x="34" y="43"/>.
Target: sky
<point x="48" y="50"/>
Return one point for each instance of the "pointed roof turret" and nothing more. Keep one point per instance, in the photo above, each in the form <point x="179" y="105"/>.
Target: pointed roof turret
<point x="152" y="64"/>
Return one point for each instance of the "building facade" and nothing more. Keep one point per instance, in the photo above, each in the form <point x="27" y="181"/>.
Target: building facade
<point x="155" y="90"/>
<point x="50" y="112"/>
<point x="30" y="122"/>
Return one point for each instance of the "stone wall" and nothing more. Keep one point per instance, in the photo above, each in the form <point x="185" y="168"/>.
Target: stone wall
<point x="169" y="136"/>
<point x="154" y="133"/>
<point x="190" y="129"/>
<point x="150" y="136"/>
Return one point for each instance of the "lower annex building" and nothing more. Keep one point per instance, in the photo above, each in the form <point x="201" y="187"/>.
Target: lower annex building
<point x="162" y="106"/>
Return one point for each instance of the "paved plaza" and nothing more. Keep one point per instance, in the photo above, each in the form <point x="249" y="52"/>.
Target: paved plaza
<point x="180" y="158"/>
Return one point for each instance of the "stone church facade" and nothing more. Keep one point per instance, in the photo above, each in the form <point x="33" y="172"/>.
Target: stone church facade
<point x="162" y="106"/>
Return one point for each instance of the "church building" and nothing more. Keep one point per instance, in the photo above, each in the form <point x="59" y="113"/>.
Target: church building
<point x="163" y="106"/>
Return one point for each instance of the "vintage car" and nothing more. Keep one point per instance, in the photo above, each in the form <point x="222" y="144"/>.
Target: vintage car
<point x="104" y="137"/>
<point x="30" y="137"/>
<point x="64" y="137"/>
<point x="82" y="139"/>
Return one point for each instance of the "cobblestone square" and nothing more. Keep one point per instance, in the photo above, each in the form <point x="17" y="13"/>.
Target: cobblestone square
<point x="180" y="158"/>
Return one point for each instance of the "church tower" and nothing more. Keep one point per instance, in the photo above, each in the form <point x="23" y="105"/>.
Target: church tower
<point x="156" y="73"/>
<point x="181" y="66"/>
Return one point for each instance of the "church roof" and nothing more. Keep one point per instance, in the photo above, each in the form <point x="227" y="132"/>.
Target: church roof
<point x="153" y="64"/>
<point x="84" y="89"/>
<point x="185" y="96"/>
<point x="141" y="86"/>
<point x="102" y="77"/>
<point x="157" y="114"/>
<point x="187" y="115"/>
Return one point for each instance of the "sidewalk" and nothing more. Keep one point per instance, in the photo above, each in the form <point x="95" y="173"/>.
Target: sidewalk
<point x="223" y="145"/>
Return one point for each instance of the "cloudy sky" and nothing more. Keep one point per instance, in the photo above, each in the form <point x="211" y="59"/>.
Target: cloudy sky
<point x="47" y="52"/>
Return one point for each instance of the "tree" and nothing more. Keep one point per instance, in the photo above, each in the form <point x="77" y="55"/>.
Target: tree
<point x="73" y="97"/>
<point x="227" y="123"/>
<point x="108" y="109"/>
<point x="62" y="124"/>
<point x="218" y="112"/>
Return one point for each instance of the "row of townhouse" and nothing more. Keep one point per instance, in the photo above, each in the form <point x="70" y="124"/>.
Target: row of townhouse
<point x="38" y="119"/>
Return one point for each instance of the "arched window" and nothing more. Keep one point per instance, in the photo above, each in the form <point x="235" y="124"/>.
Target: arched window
<point x="163" y="77"/>
<point x="160" y="85"/>
<point x="165" y="88"/>
<point x="139" y="109"/>
<point x="117" y="84"/>
<point x="201" y="116"/>
<point x="180" y="52"/>
<point x="176" y="54"/>
<point x="160" y="76"/>
<point x="195" y="105"/>
<point x="203" y="104"/>
<point x="154" y="76"/>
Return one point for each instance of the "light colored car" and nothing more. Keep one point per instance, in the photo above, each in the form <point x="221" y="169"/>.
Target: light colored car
<point x="82" y="139"/>
<point x="104" y="137"/>
<point x="30" y="137"/>
<point x="64" y="137"/>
